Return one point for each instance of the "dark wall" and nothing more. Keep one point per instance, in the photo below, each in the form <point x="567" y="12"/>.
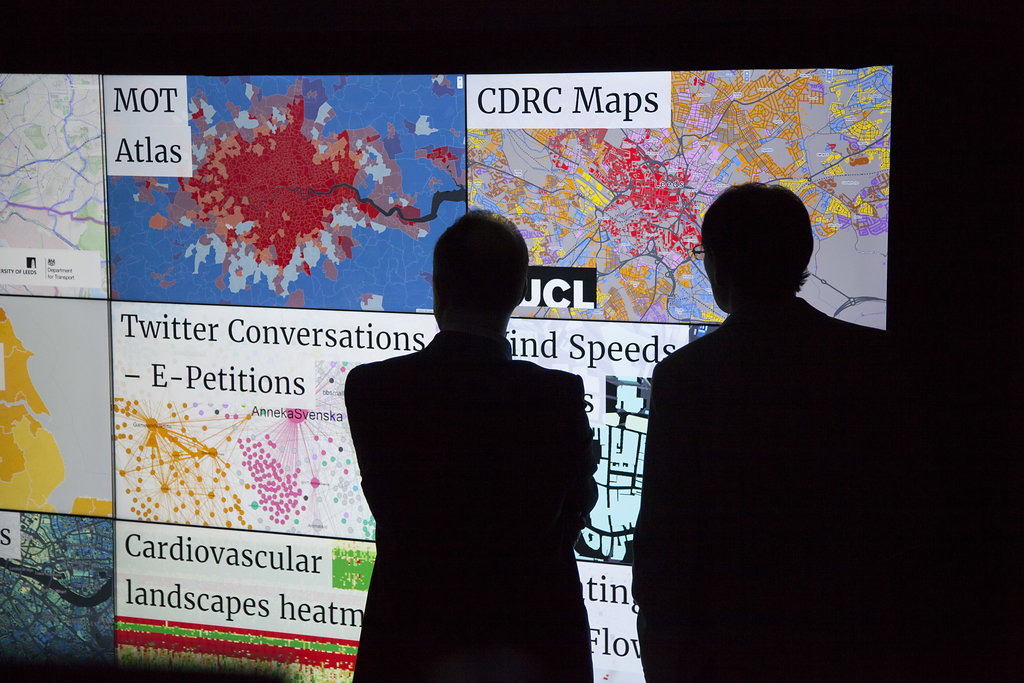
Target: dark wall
<point x="954" y="282"/>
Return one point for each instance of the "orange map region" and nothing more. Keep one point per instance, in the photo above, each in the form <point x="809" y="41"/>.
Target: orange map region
<point x="283" y="183"/>
<point x="16" y="385"/>
<point x="30" y="463"/>
<point x="93" y="507"/>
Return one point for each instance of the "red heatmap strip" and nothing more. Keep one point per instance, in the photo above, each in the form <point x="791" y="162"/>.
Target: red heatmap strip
<point x="243" y="631"/>
<point x="235" y="649"/>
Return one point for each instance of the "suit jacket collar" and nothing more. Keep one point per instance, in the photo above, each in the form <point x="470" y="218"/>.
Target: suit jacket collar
<point x="467" y="346"/>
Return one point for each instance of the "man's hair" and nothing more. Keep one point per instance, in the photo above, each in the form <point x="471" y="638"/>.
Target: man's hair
<point x="761" y="236"/>
<point x="480" y="264"/>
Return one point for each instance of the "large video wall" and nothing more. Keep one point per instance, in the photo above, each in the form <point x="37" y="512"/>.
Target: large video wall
<point x="190" y="265"/>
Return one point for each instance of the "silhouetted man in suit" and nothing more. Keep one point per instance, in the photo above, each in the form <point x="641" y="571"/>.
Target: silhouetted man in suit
<point x="761" y="544"/>
<point x="479" y="472"/>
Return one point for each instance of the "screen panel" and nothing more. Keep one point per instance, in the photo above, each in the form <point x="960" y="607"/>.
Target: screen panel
<point x="56" y="588"/>
<point x="628" y="201"/>
<point x="55" y="405"/>
<point x="306" y="191"/>
<point x="231" y="201"/>
<point x="53" y="238"/>
<point x="199" y="598"/>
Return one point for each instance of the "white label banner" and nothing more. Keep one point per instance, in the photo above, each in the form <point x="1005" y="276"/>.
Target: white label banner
<point x="246" y="355"/>
<point x="147" y="126"/>
<point x="575" y="100"/>
<point x="53" y="267"/>
<point x="10" y="535"/>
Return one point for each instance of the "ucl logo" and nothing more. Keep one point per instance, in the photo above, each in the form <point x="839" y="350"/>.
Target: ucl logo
<point x="555" y="287"/>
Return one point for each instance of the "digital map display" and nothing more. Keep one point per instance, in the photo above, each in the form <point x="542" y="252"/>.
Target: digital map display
<point x="51" y="177"/>
<point x="57" y="590"/>
<point x="324" y="192"/>
<point x="54" y="406"/>
<point x="620" y="471"/>
<point x="629" y="202"/>
<point x="248" y="240"/>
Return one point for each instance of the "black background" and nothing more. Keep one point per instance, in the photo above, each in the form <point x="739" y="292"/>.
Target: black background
<point x="954" y="286"/>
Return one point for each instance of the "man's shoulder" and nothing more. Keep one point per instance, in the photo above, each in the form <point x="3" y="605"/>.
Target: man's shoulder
<point x="365" y="371"/>
<point x="376" y="372"/>
<point x="525" y="375"/>
<point x="846" y="340"/>
<point x="531" y="370"/>
<point x="862" y="333"/>
<point x="395" y="364"/>
<point x="694" y="354"/>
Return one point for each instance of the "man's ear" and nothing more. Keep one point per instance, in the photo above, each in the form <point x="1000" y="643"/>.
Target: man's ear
<point x="439" y="301"/>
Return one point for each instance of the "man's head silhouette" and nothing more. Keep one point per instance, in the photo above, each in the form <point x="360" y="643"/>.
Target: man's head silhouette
<point x="480" y="266"/>
<point x="757" y="241"/>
